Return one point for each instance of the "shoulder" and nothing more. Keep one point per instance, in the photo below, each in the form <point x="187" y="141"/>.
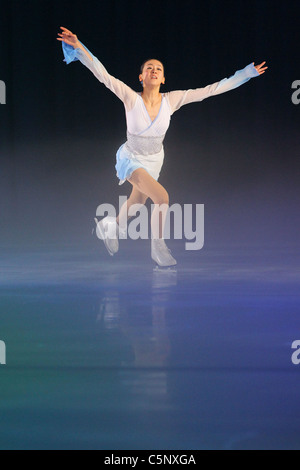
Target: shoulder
<point x="166" y="97"/>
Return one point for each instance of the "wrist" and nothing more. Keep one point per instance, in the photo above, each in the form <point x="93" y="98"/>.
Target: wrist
<point x="251" y="71"/>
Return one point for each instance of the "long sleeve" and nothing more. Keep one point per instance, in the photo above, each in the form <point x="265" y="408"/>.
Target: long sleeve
<point x="179" y="98"/>
<point x="120" y="89"/>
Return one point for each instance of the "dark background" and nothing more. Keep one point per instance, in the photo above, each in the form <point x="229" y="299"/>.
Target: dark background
<point x="237" y="153"/>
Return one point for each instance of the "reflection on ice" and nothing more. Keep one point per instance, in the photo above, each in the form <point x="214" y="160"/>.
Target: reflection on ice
<point x="152" y="348"/>
<point x="122" y="353"/>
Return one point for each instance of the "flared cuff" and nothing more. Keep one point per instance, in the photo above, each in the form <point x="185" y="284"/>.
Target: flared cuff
<point x="251" y="71"/>
<point x="70" y="53"/>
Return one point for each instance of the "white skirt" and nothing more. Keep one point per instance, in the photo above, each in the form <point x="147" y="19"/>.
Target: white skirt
<point x="128" y="162"/>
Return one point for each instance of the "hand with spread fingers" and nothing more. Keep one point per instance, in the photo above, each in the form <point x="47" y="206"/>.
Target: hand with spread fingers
<point x="260" y="68"/>
<point x="68" y="37"/>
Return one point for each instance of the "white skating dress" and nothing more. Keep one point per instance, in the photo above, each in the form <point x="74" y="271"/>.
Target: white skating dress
<point x="144" y="146"/>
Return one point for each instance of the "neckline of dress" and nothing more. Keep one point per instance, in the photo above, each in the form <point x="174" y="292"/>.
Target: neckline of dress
<point x="162" y="98"/>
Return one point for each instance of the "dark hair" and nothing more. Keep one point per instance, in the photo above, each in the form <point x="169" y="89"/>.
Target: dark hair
<point x="143" y="65"/>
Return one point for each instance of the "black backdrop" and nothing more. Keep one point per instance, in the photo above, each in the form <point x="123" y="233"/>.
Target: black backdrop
<point x="237" y="153"/>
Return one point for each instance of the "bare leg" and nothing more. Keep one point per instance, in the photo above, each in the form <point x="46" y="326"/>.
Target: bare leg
<point x="149" y="187"/>
<point x="136" y="197"/>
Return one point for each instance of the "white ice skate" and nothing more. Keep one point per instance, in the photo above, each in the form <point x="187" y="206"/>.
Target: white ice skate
<point x="161" y="254"/>
<point x="108" y="231"/>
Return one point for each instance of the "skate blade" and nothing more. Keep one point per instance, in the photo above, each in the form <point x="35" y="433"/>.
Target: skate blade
<point x="165" y="269"/>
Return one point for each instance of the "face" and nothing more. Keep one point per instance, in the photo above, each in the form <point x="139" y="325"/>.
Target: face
<point x="153" y="73"/>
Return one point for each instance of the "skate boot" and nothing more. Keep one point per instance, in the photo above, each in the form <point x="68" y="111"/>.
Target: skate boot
<point x="108" y="231"/>
<point x="161" y="254"/>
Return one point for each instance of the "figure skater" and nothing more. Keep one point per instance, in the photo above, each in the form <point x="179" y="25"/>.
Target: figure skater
<point x="140" y="159"/>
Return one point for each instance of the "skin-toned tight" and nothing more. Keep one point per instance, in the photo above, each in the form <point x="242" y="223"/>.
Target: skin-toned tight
<point x="144" y="187"/>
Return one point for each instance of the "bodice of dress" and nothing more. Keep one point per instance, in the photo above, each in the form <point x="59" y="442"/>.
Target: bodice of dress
<point x="140" y="123"/>
<point x="144" y="136"/>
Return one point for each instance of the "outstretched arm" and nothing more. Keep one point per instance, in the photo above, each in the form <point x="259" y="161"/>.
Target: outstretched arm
<point x="179" y="98"/>
<point x="74" y="50"/>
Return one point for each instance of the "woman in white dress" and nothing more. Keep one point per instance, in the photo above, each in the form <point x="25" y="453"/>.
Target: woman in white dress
<point x="148" y="115"/>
